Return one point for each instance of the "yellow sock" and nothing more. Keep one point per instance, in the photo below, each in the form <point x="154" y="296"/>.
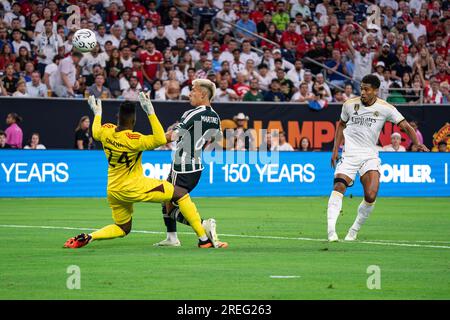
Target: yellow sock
<point x="190" y="213"/>
<point x="109" y="232"/>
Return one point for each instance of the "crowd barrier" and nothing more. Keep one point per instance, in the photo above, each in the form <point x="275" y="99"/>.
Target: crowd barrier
<point x="56" y="119"/>
<point x="227" y="174"/>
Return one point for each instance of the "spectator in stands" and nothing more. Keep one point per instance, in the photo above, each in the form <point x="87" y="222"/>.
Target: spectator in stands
<point x="174" y="31"/>
<point x="445" y="90"/>
<point x="113" y="82"/>
<point x="416" y="29"/>
<point x="432" y="93"/>
<point x="301" y="7"/>
<point x="149" y="31"/>
<point x="282" y="144"/>
<point x="281" y="18"/>
<point x="35" y="88"/>
<point x="3" y="144"/>
<point x="28" y="71"/>
<point x="14" y="14"/>
<point x="90" y="59"/>
<point x="6" y="56"/>
<point x="14" y="134"/>
<point x="296" y="74"/>
<point x="159" y="91"/>
<point x="303" y="95"/>
<point x="415" y="126"/>
<point x="48" y="45"/>
<point x="248" y="25"/>
<point x="318" y="54"/>
<point x="442" y="146"/>
<point x="248" y="54"/>
<point x="323" y="86"/>
<point x="337" y="96"/>
<point x="102" y="36"/>
<point x="66" y="82"/>
<point x="18" y="42"/>
<point x="132" y="92"/>
<point x="263" y="26"/>
<point x="395" y="94"/>
<point x="126" y="57"/>
<point x="336" y="64"/>
<point x="273" y="37"/>
<point x="33" y="143"/>
<point x="22" y="59"/>
<point x="348" y="92"/>
<point x="286" y="65"/>
<point x="151" y="60"/>
<point x="424" y="64"/>
<point x="224" y="93"/>
<point x="240" y="87"/>
<point x="380" y="71"/>
<point x="160" y="40"/>
<point x="400" y="68"/>
<point x="114" y="60"/>
<point x="264" y="77"/>
<point x="21" y="89"/>
<point x="362" y="60"/>
<point x="407" y="88"/>
<point x="51" y="74"/>
<point x="206" y="67"/>
<point x="83" y="138"/>
<point x="305" y="144"/>
<point x="254" y="94"/>
<point x="275" y="94"/>
<point x="98" y="89"/>
<point x="9" y="81"/>
<point x="241" y="138"/>
<point x="395" y="145"/>
<point x="172" y="85"/>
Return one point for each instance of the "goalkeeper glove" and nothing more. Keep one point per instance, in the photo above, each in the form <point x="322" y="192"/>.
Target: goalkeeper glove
<point x="96" y="105"/>
<point x="146" y="103"/>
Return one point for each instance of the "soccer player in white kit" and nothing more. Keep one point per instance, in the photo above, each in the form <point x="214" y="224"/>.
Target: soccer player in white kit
<point x="359" y="127"/>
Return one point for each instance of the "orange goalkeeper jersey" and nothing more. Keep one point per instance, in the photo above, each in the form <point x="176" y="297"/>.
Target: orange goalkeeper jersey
<point x="124" y="149"/>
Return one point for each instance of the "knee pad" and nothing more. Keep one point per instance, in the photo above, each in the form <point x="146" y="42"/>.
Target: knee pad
<point x="343" y="181"/>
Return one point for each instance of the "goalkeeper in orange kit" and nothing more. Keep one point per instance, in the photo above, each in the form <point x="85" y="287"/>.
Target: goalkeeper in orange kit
<point x="126" y="182"/>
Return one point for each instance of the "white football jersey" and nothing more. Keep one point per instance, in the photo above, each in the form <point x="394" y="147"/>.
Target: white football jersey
<point x="364" y="124"/>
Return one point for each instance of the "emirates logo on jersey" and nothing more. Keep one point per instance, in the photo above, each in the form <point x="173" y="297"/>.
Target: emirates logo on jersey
<point x="362" y="121"/>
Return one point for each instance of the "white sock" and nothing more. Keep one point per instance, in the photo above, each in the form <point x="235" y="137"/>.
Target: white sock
<point x="364" y="211"/>
<point x="334" y="209"/>
<point x="203" y="238"/>
<point x="172" y="236"/>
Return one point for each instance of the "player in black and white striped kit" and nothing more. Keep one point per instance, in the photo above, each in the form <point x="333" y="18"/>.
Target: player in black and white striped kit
<point x="196" y="128"/>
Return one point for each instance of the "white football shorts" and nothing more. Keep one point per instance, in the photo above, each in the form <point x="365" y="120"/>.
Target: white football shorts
<point x="350" y="166"/>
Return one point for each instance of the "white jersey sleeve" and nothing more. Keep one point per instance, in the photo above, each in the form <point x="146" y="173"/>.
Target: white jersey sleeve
<point x="395" y="116"/>
<point x="344" y="113"/>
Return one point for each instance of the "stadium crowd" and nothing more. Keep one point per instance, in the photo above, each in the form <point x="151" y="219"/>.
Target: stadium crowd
<point x="310" y="51"/>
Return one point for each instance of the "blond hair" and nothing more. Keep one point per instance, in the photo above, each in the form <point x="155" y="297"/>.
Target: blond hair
<point x="208" y="85"/>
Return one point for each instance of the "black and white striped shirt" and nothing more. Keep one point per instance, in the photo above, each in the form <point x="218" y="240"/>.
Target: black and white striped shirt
<point x="197" y="126"/>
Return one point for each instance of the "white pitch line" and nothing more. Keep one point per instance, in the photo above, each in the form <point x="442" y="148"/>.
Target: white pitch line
<point x="376" y="242"/>
<point x="284" y="277"/>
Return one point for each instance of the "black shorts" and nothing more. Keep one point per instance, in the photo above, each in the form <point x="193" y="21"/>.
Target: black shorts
<point x="187" y="180"/>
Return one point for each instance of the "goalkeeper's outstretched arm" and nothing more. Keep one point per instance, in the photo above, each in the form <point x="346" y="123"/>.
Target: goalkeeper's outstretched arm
<point x="96" y="107"/>
<point x="158" y="138"/>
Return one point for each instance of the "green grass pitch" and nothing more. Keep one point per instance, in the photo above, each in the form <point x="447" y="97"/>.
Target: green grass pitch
<point x="407" y="238"/>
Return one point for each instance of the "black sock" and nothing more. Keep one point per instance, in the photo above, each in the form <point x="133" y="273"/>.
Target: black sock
<point x="176" y="215"/>
<point x="171" y="224"/>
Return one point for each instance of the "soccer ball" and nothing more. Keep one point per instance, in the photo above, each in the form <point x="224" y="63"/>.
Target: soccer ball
<point x="84" y="40"/>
